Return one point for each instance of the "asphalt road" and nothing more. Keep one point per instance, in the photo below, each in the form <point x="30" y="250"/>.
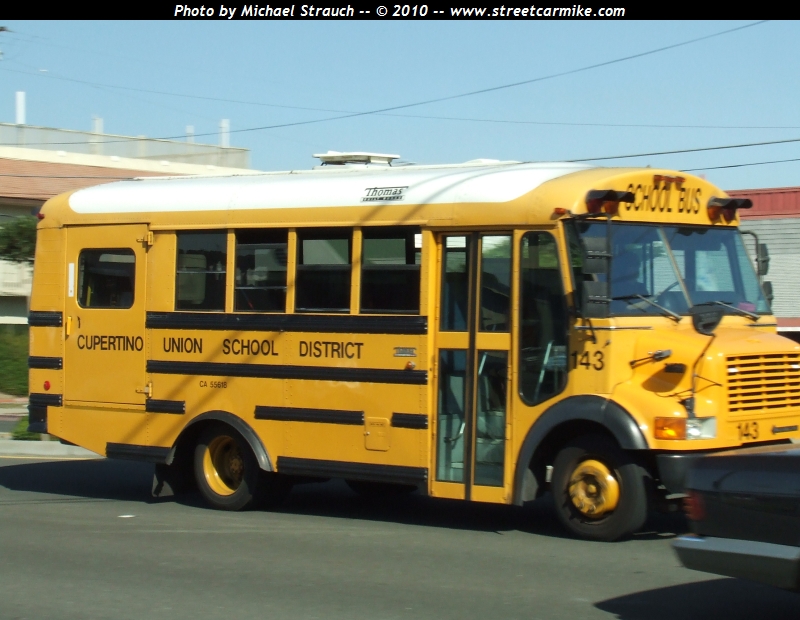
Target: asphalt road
<point x="83" y="539"/>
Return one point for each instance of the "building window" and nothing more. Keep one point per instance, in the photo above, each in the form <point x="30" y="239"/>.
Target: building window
<point x="200" y="281"/>
<point x="390" y="265"/>
<point x="323" y="270"/>
<point x="106" y="278"/>
<point x="260" y="282"/>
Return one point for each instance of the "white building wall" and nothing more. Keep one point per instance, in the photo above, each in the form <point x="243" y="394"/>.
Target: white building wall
<point x="15" y="290"/>
<point x="782" y="236"/>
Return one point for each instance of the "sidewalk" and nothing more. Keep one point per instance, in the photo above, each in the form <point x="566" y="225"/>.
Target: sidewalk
<point x="18" y="401"/>
<point x="46" y="449"/>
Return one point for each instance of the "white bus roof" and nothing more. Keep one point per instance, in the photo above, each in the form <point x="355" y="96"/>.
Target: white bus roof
<point x="341" y="186"/>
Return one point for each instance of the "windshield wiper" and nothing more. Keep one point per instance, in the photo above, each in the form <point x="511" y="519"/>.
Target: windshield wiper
<point x="673" y="315"/>
<point x="726" y="304"/>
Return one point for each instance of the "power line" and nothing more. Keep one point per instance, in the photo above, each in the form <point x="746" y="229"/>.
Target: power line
<point x="755" y="163"/>
<point x="696" y="150"/>
<point x="461" y="95"/>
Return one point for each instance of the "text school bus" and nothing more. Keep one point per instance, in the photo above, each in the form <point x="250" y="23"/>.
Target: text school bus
<point x="484" y="331"/>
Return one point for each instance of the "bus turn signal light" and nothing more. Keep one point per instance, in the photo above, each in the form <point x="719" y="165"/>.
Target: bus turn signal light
<point x="670" y="428"/>
<point x="606" y="200"/>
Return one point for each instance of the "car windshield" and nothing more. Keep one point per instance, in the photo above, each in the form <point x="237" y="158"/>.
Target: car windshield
<point x="668" y="269"/>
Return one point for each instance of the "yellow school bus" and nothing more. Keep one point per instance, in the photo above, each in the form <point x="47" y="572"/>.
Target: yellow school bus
<point x="484" y="331"/>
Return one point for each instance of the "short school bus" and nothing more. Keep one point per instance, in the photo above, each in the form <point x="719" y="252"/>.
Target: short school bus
<point x="484" y="331"/>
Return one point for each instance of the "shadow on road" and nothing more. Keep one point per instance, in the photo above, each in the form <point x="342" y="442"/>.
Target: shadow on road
<point x="131" y="481"/>
<point x="89" y="479"/>
<point x="732" y="599"/>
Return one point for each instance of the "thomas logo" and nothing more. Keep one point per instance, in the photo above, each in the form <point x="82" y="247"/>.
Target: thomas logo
<point x="384" y="194"/>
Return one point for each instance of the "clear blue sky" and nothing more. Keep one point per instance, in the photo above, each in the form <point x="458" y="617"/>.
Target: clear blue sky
<point x="748" y="78"/>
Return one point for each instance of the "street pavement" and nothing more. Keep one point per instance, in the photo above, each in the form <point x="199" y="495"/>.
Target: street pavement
<point x="82" y="539"/>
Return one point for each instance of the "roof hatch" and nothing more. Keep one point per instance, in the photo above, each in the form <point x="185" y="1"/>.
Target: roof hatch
<point x="335" y="158"/>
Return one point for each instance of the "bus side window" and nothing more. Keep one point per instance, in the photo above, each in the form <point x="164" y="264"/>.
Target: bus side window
<point x="390" y="268"/>
<point x="106" y="278"/>
<point x="201" y="266"/>
<point x="543" y="320"/>
<point x="323" y="270"/>
<point x="260" y="279"/>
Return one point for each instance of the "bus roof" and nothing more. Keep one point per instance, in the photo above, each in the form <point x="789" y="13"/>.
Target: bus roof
<point x="442" y="195"/>
<point x="334" y="186"/>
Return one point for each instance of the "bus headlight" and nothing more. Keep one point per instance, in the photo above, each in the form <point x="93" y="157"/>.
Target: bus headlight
<point x="701" y="428"/>
<point x="683" y="428"/>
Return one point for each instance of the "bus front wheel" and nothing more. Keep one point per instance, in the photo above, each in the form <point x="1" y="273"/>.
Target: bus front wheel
<point x="599" y="490"/>
<point x="226" y="469"/>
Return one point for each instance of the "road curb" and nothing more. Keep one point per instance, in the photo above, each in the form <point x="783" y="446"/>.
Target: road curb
<point x="11" y="447"/>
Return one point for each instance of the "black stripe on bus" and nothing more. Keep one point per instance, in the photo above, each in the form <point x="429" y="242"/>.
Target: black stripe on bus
<point x="300" y="414"/>
<point x="410" y="420"/>
<point x="45" y="319"/>
<point x="51" y="363"/>
<point x="132" y="452"/>
<point x="355" y="471"/>
<point x="153" y="405"/>
<point x="45" y="400"/>
<point x="274" y="371"/>
<point x="343" y="324"/>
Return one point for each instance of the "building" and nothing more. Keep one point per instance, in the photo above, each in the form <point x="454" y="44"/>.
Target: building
<point x="775" y="218"/>
<point x="37" y="163"/>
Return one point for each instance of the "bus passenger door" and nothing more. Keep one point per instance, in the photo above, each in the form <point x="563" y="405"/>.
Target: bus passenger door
<point x="473" y="349"/>
<point x="104" y="314"/>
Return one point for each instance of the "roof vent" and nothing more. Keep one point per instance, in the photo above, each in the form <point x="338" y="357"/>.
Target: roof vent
<point x="335" y="158"/>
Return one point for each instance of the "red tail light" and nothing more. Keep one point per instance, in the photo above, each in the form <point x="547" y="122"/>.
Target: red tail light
<point x="694" y="507"/>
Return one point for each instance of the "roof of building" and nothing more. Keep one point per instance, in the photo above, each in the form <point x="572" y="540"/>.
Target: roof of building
<point x="770" y="203"/>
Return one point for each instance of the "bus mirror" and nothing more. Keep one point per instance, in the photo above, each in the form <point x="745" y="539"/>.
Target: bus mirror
<point x="597" y="257"/>
<point x="762" y="259"/>
<point x="768" y="294"/>
<point x="706" y="318"/>
<point x="595" y="300"/>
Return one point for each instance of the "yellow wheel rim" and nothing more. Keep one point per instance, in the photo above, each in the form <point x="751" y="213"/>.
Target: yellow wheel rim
<point x="593" y="489"/>
<point x="223" y="466"/>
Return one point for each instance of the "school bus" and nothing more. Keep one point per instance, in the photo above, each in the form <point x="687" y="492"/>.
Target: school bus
<point x="485" y="331"/>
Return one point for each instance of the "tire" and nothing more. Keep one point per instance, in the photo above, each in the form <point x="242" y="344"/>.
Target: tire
<point x="226" y="470"/>
<point x="599" y="492"/>
<point x="379" y="490"/>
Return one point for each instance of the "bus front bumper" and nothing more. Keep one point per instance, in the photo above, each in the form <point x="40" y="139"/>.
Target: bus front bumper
<point x="673" y="469"/>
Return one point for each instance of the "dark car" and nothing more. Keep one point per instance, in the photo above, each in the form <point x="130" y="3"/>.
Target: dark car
<point x="744" y="510"/>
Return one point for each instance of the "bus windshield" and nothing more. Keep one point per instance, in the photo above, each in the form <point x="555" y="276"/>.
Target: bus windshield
<point x="668" y="269"/>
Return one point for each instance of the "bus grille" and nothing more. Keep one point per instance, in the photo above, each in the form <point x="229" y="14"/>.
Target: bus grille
<point x="763" y="384"/>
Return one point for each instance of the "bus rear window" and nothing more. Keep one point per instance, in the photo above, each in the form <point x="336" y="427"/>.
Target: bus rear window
<point x="106" y="278"/>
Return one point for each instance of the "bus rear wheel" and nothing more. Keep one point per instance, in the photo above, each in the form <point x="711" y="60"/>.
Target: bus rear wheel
<point x="226" y="469"/>
<point x="599" y="491"/>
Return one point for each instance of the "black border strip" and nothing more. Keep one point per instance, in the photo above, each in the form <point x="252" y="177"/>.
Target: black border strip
<point x="275" y="371"/>
<point x="45" y="400"/>
<point x="45" y="319"/>
<point x="49" y="363"/>
<point x="153" y="405"/>
<point x="37" y="419"/>
<point x="300" y="414"/>
<point x="131" y="452"/>
<point x="342" y="324"/>
<point x="396" y="474"/>
<point x="418" y="421"/>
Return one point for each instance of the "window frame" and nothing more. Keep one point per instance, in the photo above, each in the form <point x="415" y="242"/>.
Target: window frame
<point x="216" y="231"/>
<point x="391" y="232"/>
<point x="319" y="234"/>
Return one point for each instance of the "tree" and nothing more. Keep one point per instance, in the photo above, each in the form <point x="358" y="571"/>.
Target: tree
<point x="18" y="239"/>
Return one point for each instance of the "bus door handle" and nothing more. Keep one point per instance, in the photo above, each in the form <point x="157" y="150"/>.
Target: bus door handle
<point x="147" y="390"/>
